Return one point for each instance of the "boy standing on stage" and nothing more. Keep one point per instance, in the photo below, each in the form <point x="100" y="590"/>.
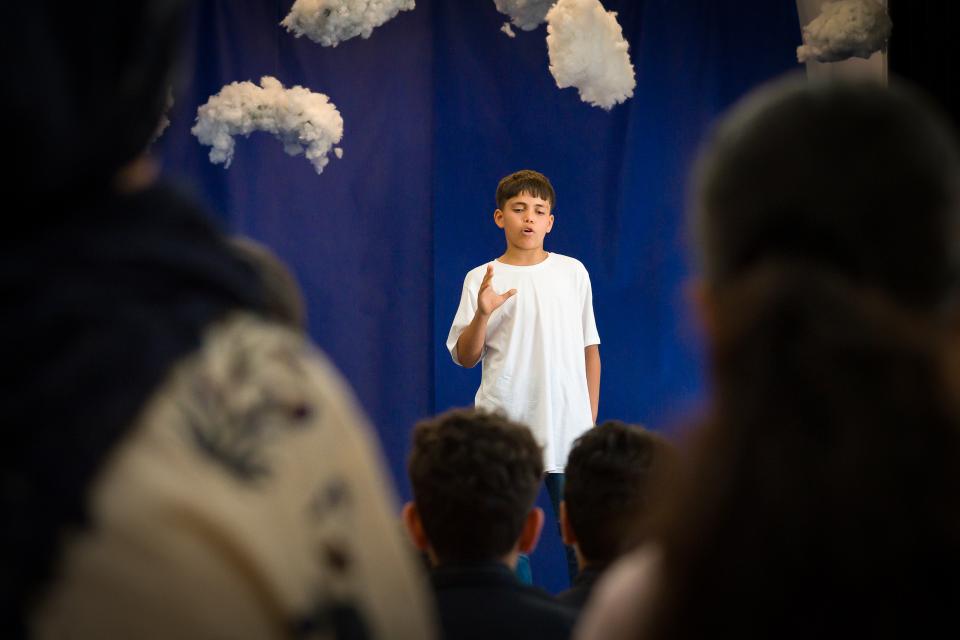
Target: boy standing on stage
<point x="528" y="316"/>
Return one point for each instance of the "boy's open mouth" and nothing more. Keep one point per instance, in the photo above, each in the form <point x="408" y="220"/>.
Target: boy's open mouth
<point x="527" y="231"/>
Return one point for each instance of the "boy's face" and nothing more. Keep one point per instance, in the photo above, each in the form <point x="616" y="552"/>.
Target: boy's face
<point x="525" y="220"/>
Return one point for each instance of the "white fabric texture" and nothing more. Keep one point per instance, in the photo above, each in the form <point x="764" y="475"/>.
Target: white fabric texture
<point x="248" y="498"/>
<point x="534" y="368"/>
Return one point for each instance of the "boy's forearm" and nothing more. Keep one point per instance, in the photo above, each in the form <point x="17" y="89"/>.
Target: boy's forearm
<point x="470" y="342"/>
<point x="592" y="359"/>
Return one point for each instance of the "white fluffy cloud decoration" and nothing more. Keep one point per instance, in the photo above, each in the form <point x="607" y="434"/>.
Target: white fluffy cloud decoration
<point x="525" y="14"/>
<point x="587" y="51"/>
<point x="330" y="22"/>
<point x="845" y="29"/>
<point x="305" y="122"/>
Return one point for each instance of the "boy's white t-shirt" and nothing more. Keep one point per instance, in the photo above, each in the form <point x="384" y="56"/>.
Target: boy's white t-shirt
<point x="533" y="357"/>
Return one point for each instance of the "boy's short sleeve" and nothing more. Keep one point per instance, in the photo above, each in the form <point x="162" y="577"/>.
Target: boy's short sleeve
<point x="465" y="313"/>
<point x="590" y="334"/>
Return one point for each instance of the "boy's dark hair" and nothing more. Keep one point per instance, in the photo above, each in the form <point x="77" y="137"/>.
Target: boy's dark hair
<point x="475" y="476"/>
<point x="608" y="487"/>
<point x="525" y="181"/>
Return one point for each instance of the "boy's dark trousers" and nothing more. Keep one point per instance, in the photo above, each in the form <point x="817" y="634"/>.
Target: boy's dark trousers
<point x="554" y="482"/>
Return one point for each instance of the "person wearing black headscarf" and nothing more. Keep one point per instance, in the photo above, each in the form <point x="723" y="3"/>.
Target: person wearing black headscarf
<point x="136" y="476"/>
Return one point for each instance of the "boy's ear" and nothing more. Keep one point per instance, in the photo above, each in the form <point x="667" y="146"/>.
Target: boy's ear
<point x="550" y="223"/>
<point x="414" y="526"/>
<point x="530" y="534"/>
<point x="566" y="531"/>
<point x="498" y="218"/>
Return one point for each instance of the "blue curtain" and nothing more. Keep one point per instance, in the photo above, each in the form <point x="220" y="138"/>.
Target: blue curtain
<point x="358" y="235"/>
<point x="438" y="105"/>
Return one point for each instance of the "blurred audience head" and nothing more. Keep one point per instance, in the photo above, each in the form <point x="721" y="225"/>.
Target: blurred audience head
<point x="91" y="84"/>
<point x="855" y="178"/>
<point x="114" y="283"/>
<point x="610" y="478"/>
<point x="819" y="496"/>
<point x="284" y="298"/>
<point x="475" y="476"/>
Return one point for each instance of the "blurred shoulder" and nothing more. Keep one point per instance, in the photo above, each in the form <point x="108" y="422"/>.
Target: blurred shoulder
<point x="250" y="483"/>
<point x="621" y="600"/>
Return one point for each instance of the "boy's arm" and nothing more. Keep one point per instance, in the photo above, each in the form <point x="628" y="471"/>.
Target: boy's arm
<point x="592" y="356"/>
<point x="470" y="342"/>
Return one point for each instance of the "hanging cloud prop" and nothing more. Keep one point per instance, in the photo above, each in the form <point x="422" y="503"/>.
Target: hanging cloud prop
<point x="525" y="14"/>
<point x="302" y="120"/>
<point x="845" y="29"/>
<point x="587" y="51"/>
<point x="330" y="22"/>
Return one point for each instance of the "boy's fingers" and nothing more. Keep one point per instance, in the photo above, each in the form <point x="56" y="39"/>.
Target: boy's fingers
<point x="509" y="293"/>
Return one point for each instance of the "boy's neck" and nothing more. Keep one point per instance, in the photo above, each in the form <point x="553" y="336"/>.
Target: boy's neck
<point x="509" y="560"/>
<point x="523" y="257"/>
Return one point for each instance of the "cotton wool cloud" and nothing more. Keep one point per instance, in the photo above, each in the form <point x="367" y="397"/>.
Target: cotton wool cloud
<point x="304" y="121"/>
<point x="524" y="14"/>
<point x="330" y="22"/>
<point x="587" y="51"/>
<point x="845" y="29"/>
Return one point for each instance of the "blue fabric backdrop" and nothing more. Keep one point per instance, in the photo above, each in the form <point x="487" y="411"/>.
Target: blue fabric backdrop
<point x="438" y="105"/>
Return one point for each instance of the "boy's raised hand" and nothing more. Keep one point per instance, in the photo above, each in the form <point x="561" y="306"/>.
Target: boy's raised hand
<point x="489" y="300"/>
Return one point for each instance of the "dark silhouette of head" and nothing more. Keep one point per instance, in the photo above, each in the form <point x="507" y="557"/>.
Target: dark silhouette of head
<point x="856" y="178"/>
<point x="284" y="298"/>
<point x="609" y="480"/>
<point x="475" y="476"/>
<point x="820" y="497"/>
<point x="91" y="95"/>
